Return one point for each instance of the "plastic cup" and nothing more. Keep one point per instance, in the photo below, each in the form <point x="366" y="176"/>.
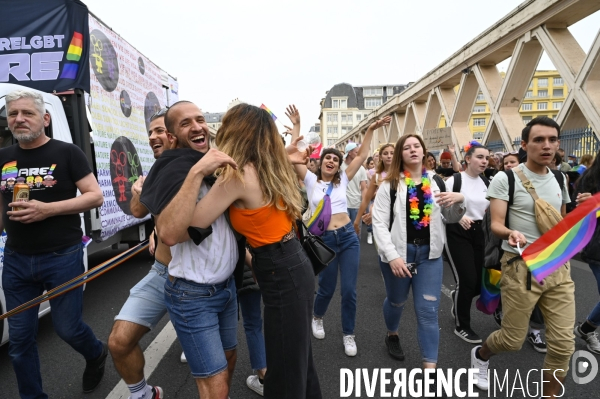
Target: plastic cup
<point x="312" y="139"/>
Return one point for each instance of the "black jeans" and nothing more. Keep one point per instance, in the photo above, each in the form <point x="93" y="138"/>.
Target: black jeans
<point x="287" y="284"/>
<point x="466" y="251"/>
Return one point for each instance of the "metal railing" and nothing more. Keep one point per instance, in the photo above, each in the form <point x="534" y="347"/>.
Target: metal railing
<point x="579" y="142"/>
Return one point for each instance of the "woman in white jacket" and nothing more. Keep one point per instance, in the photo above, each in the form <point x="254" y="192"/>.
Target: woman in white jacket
<point x="413" y="236"/>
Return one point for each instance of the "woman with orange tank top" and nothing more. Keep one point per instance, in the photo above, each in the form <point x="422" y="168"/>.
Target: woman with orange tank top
<point x="263" y="199"/>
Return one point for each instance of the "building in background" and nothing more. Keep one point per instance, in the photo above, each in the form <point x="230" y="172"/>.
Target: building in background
<point x="544" y="97"/>
<point x="344" y="106"/>
<point x="214" y="119"/>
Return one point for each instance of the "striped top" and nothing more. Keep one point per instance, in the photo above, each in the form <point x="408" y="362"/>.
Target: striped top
<point x="211" y="262"/>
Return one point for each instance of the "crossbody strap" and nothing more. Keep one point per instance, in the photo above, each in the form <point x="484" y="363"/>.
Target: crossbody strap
<point x="526" y="183"/>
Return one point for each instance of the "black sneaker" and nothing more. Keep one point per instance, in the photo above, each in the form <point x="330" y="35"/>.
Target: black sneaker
<point x="94" y="371"/>
<point x="536" y="341"/>
<point x="394" y="349"/>
<point x="467" y="335"/>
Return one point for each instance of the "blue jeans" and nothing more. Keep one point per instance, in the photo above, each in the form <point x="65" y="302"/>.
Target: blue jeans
<point x="344" y="242"/>
<point x="26" y="277"/>
<point x="252" y="319"/>
<point x="426" y="287"/>
<point x="594" y="317"/>
<point x="352" y="212"/>
<point x="205" y="319"/>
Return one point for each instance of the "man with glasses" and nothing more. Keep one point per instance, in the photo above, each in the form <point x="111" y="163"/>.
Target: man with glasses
<point x="145" y="306"/>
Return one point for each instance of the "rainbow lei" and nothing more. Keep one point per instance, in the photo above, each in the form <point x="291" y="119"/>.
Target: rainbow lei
<point x="414" y="200"/>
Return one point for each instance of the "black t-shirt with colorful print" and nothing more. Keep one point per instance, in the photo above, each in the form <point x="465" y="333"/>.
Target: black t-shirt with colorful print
<point x="51" y="172"/>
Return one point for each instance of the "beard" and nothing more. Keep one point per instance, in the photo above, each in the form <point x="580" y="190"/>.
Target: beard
<point x="27" y="137"/>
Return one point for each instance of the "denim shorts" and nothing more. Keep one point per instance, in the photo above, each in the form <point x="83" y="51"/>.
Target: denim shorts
<point x="146" y="303"/>
<point x="205" y="319"/>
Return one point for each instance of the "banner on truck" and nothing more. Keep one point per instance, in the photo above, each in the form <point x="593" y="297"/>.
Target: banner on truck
<point x="44" y="45"/>
<point x="126" y="91"/>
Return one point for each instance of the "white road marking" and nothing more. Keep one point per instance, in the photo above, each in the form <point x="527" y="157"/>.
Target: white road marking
<point x="153" y="354"/>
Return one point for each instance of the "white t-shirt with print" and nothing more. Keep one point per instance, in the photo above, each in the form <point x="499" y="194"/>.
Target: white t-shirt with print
<point x="315" y="190"/>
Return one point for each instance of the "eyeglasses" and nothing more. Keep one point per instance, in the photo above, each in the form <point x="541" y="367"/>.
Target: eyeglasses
<point x="505" y="154"/>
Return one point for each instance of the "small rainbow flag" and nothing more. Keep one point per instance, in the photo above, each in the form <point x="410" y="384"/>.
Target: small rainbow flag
<point x="70" y="69"/>
<point x="490" y="291"/>
<point x="559" y="244"/>
<point x="9" y="170"/>
<point x="263" y="106"/>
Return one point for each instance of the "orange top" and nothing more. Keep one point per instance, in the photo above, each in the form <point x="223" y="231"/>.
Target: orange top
<point x="260" y="226"/>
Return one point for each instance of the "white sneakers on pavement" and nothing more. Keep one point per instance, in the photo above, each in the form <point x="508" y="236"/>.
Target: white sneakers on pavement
<point x="254" y="383"/>
<point x="482" y="376"/>
<point x="317" y="328"/>
<point x="349" y="345"/>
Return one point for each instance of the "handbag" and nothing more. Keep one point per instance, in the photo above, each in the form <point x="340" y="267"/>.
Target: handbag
<point x="322" y="215"/>
<point x="320" y="255"/>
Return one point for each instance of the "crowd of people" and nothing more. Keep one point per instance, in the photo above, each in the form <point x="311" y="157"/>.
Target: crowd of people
<point x="227" y="238"/>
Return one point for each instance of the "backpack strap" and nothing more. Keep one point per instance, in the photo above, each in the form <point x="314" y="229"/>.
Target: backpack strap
<point x="393" y="192"/>
<point x="440" y="182"/>
<point x="511" y="190"/>
<point x="457" y="183"/>
<point x="560" y="178"/>
<point x="486" y="181"/>
<point x="526" y="183"/>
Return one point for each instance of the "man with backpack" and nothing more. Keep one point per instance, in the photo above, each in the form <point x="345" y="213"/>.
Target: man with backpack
<point x="532" y="212"/>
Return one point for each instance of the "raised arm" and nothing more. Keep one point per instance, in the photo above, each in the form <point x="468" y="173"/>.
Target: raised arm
<point x="455" y="163"/>
<point x="297" y="158"/>
<point x="292" y="113"/>
<point x="363" y="152"/>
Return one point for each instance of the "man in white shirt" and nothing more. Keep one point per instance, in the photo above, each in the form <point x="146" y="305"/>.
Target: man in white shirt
<point x="200" y="292"/>
<point x="357" y="186"/>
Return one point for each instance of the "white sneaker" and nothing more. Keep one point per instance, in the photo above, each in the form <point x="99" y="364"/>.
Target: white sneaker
<point x="317" y="328"/>
<point x="482" y="376"/>
<point x="182" y="358"/>
<point x="349" y="345"/>
<point x="254" y="383"/>
<point x="369" y="238"/>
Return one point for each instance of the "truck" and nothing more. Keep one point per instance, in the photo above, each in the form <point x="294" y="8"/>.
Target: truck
<point x="100" y="92"/>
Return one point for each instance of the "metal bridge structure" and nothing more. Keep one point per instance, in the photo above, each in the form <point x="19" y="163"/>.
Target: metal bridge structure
<point x="535" y="27"/>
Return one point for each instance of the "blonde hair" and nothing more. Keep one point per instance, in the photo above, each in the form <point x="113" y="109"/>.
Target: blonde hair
<point x="248" y="135"/>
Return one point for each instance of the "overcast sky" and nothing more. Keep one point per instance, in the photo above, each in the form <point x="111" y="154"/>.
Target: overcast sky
<point x="281" y="52"/>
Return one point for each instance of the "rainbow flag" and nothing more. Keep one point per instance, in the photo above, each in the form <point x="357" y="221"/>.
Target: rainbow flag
<point x="490" y="291"/>
<point x="10" y="170"/>
<point x="70" y="69"/>
<point x="263" y="106"/>
<point x="559" y="244"/>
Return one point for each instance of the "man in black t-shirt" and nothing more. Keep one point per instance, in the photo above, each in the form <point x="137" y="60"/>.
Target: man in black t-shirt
<point x="43" y="248"/>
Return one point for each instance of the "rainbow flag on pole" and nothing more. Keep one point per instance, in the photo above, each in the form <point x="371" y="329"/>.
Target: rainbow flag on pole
<point x="263" y="106"/>
<point x="559" y="244"/>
